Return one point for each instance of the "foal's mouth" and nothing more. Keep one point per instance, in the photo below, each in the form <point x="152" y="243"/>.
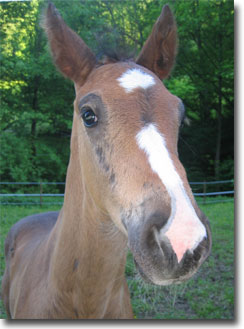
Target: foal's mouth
<point x="181" y="274"/>
<point x="165" y="282"/>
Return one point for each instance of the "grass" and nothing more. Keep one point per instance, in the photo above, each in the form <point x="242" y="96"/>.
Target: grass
<point x="208" y="295"/>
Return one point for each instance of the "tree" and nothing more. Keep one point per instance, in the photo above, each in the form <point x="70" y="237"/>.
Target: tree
<point x="205" y="65"/>
<point x="36" y="101"/>
<point x="27" y="79"/>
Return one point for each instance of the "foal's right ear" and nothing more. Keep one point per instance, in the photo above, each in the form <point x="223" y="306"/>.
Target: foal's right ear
<point x="70" y="53"/>
<point x="159" y="51"/>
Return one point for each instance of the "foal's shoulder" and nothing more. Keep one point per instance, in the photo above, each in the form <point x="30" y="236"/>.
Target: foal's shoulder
<point x="40" y="223"/>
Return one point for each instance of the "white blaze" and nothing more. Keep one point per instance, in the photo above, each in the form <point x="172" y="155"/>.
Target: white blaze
<point x="184" y="229"/>
<point x="135" y="78"/>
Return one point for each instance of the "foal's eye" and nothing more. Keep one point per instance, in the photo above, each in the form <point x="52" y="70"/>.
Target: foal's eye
<point x="89" y="117"/>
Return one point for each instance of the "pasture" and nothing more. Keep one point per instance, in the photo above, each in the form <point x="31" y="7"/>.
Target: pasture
<point x="208" y="295"/>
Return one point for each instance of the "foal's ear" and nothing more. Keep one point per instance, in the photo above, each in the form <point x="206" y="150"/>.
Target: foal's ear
<point x="159" y="51"/>
<point x="71" y="55"/>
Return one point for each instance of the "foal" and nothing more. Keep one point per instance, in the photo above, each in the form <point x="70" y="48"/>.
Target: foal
<point x="125" y="186"/>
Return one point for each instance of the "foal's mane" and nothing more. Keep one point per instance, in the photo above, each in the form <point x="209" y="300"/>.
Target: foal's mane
<point x="108" y="55"/>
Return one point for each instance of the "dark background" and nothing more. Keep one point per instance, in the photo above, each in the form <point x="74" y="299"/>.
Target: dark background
<point x="37" y="102"/>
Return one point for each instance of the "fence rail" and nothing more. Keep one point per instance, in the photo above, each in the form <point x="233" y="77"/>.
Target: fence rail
<point x="32" y="183"/>
<point x="213" y="182"/>
<point x="214" y="193"/>
<point x="63" y="183"/>
<point x="40" y="195"/>
<point x="34" y="194"/>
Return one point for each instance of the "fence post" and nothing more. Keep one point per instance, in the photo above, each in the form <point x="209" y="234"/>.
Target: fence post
<point x="204" y="191"/>
<point x="41" y="193"/>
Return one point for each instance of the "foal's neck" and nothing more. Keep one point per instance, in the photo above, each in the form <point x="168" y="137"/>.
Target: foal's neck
<point x="90" y="252"/>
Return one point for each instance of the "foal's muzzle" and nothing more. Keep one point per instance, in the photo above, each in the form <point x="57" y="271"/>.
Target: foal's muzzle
<point x="154" y="255"/>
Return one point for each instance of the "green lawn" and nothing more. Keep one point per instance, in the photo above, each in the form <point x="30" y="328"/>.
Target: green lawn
<point x="208" y="295"/>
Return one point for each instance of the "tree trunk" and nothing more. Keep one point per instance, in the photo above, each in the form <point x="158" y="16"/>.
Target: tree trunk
<point x="219" y="107"/>
<point x="33" y="126"/>
<point x="219" y="133"/>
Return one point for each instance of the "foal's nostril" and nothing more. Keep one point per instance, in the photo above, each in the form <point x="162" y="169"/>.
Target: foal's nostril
<point x="150" y="238"/>
<point x="196" y="255"/>
<point x="202" y="250"/>
<point x="157" y="220"/>
<point x="151" y="230"/>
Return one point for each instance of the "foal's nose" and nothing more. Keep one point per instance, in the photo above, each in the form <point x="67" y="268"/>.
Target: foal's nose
<point x="157" y="255"/>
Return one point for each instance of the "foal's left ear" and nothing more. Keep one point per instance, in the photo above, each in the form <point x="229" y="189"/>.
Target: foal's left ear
<point x="159" y="51"/>
<point x="70" y="53"/>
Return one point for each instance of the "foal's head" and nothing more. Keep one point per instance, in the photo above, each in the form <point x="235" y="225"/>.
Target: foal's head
<point x="127" y="126"/>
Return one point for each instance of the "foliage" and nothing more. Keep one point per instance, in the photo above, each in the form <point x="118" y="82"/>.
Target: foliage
<point x="205" y="63"/>
<point x="208" y="295"/>
<point x="36" y="101"/>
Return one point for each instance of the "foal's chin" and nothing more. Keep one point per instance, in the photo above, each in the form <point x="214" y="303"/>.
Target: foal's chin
<point x="157" y="262"/>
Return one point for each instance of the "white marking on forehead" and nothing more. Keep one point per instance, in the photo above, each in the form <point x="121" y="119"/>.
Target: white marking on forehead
<point x="135" y="78"/>
<point x="184" y="229"/>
